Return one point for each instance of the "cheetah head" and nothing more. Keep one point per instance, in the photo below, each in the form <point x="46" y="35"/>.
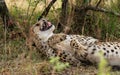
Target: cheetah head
<point x="44" y="29"/>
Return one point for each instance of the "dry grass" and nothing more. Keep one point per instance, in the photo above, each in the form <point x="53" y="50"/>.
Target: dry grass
<point x="24" y="4"/>
<point x="17" y="59"/>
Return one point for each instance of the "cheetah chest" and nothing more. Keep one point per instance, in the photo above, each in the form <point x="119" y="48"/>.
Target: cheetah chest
<point x="65" y="45"/>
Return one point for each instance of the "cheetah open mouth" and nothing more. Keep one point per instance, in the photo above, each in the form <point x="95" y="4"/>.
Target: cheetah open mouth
<point x="45" y="26"/>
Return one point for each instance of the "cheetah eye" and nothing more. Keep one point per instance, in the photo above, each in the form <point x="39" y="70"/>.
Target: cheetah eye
<point x="37" y="24"/>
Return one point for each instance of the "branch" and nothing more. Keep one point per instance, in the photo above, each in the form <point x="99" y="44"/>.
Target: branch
<point x="103" y="10"/>
<point x="86" y="8"/>
<point x="45" y="12"/>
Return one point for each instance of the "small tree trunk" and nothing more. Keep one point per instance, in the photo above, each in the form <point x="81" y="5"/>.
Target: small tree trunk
<point x="63" y="16"/>
<point x="4" y="12"/>
<point x="64" y="12"/>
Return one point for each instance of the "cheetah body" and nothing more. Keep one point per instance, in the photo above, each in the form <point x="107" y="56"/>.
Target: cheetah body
<point x="73" y="48"/>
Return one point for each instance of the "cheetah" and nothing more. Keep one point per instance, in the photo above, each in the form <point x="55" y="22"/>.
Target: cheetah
<point x="41" y="35"/>
<point x="72" y="48"/>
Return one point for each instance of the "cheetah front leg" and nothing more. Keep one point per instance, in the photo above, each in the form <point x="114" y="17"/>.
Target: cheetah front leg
<point x="55" y="39"/>
<point x="80" y="51"/>
<point x="65" y="56"/>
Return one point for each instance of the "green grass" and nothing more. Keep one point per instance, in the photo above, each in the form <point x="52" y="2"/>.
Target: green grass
<point x="103" y="68"/>
<point x="57" y="65"/>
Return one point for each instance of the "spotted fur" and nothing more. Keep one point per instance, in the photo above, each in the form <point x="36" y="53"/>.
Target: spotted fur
<point x="73" y="48"/>
<point x="110" y="50"/>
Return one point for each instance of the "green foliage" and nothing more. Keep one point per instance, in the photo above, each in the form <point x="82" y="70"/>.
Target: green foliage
<point x="86" y="1"/>
<point x="103" y="68"/>
<point x="57" y="65"/>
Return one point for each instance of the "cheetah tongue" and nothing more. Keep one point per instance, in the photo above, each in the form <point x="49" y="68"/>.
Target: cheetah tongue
<point x="49" y="24"/>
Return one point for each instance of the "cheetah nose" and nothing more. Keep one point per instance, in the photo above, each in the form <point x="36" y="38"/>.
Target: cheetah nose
<point x="49" y="23"/>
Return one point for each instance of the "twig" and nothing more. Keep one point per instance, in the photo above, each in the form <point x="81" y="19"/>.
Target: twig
<point x="28" y="8"/>
<point x="5" y="37"/>
<point x="98" y="3"/>
<point x="33" y="11"/>
<point x="22" y="31"/>
<point x="45" y="12"/>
